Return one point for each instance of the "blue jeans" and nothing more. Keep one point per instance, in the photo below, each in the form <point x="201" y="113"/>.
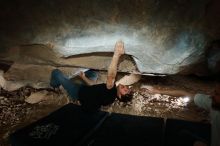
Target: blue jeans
<point x="72" y="88"/>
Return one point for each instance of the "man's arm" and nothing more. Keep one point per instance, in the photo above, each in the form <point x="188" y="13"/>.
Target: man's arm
<point x="166" y="91"/>
<point x="201" y="100"/>
<point x="112" y="70"/>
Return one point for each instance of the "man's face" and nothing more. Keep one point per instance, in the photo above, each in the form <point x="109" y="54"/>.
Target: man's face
<point x="124" y="90"/>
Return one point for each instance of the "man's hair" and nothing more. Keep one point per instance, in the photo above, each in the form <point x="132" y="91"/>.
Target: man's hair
<point x="127" y="97"/>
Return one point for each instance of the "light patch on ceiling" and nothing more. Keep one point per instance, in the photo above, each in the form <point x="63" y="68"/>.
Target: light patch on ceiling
<point x="149" y="56"/>
<point x="100" y="43"/>
<point x="103" y="37"/>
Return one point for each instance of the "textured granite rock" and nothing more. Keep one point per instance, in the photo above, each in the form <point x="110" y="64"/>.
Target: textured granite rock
<point x="163" y="37"/>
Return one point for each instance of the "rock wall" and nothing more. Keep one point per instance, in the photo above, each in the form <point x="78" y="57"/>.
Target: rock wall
<point x="163" y="37"/>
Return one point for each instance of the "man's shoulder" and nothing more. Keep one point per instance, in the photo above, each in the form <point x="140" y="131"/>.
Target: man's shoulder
<point x="104" y="85"/>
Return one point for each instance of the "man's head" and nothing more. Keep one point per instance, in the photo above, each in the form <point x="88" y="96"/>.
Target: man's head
<point x="124" y="93"/>
<point x="123" y="90"/>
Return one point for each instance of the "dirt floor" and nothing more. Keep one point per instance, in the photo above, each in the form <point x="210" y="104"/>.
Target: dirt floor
<point x="16" y="113"/>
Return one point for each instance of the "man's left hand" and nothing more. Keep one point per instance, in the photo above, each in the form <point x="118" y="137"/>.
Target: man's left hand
<point x="119" y="48"/>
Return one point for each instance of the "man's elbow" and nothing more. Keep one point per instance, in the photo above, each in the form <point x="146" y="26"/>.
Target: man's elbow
<point x="110" y="83"/>
<point x="109" y="86"/>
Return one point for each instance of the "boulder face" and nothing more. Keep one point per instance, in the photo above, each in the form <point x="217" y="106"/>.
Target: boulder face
<point x="162" y="37"/>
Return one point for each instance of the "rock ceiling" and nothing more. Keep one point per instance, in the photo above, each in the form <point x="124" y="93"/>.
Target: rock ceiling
<point x="161" y="37"/>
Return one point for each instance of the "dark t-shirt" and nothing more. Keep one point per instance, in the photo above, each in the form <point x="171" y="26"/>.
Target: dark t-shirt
<point x="92" y="97"/>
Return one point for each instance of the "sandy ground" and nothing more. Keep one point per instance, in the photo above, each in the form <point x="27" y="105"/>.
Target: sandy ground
<point x="16" y="113"/>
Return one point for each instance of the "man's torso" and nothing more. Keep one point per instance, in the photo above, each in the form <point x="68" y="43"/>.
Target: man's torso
<point x="92" y="97"/>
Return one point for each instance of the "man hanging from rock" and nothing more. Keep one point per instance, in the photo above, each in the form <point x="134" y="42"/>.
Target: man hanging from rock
<point x="92" y="96"/>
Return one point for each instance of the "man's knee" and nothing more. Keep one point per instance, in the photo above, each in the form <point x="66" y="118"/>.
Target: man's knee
<point x="92" y="75"/>
<point x="55" y="72"/>
<point x="55" y="78"/>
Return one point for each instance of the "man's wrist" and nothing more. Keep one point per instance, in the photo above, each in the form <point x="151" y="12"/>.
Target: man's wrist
<point x="117" y="55"/>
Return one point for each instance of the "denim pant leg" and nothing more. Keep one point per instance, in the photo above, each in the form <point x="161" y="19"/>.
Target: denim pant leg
<point x="58" y="78"/>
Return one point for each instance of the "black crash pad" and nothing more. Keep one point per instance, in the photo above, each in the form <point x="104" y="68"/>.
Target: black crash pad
<point x="71" y="126"/>
<point x="185" y="133"/>
<point x="66" y="126"/>
<point x="128" y="130"/>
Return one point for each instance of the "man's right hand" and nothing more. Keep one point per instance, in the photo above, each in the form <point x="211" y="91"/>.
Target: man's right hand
<point x="119" y="48"/>
<point x="82" y="74"/>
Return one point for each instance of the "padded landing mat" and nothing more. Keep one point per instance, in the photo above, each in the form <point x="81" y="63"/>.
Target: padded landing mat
<point x="71" y="126"/>
<point x="185" y="133"/>
<point x="128" y="130"/>
<point x="66" y="126"/>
